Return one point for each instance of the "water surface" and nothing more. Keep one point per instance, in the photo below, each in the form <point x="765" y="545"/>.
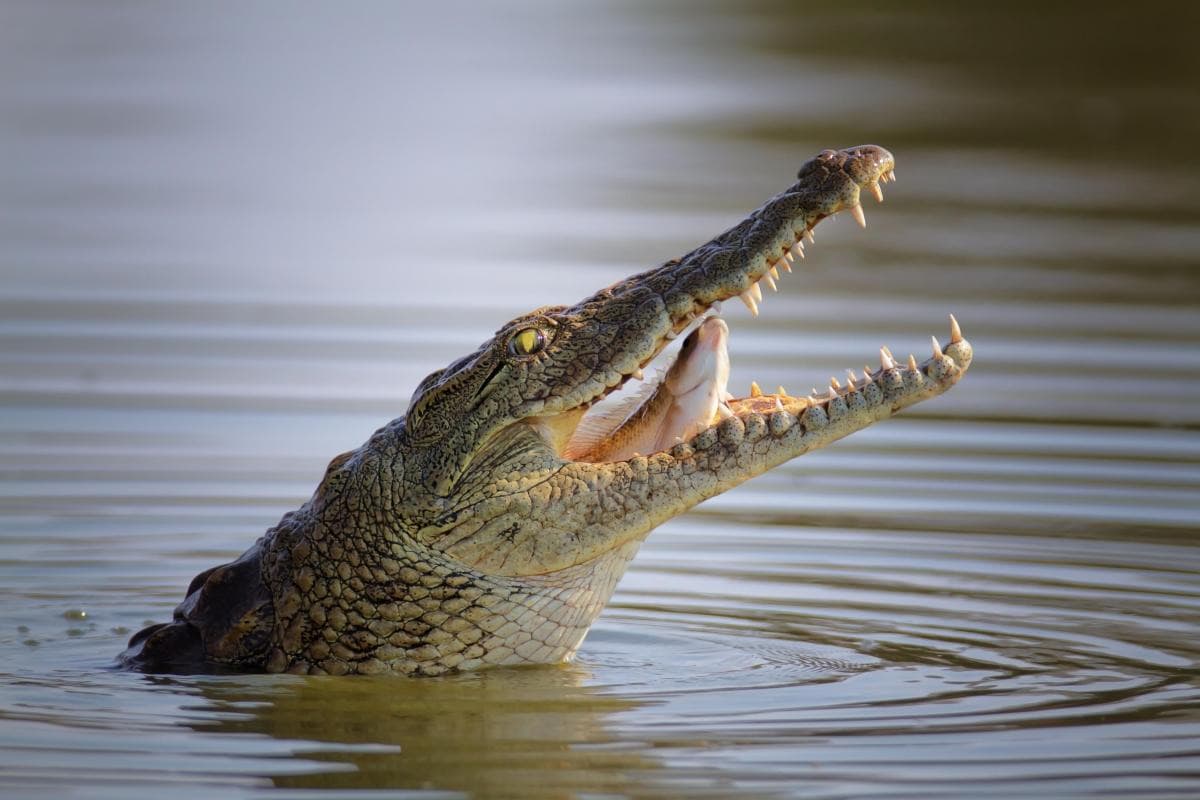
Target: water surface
<point x="232" y="244"/>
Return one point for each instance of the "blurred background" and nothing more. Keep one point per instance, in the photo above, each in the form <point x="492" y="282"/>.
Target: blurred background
<point x="234" y="237"/>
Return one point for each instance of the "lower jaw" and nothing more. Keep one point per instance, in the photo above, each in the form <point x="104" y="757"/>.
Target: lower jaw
<point x="895" y="383"/>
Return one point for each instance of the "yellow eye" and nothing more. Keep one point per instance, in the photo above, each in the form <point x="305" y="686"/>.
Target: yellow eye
<point x="527" y="342"/>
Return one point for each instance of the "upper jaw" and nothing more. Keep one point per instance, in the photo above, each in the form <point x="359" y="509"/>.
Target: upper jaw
<point x="673" y="298"/>
<point x="763" y="246"/>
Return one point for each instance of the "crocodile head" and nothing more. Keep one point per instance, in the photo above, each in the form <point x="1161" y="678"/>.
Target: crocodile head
<point x="499" y="420"/>
<point x="477" y="531"/>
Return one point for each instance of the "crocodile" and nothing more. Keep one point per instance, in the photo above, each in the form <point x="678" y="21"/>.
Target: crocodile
<point x="478" y="530"/>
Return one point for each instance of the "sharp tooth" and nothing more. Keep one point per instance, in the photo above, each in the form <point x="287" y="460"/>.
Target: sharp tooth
<point x="638" y="375"/>
<point x="780" y="390"/>
<point x="778" y="404"/>
<point x="755" y="292"/>
<point x="749" y="301"/>
<point x="866" y="372"/>
<point x="774" y="272"/>
<point x="789" y="257"/>
<point x="724" y="412"/>
<point x="808" y="234"/>
<point x="891" y="174"/>
<point x="955" y="331"/>
<point x="786" y="263"/>
<point x="754" y="390"/>
<point x="770" y="281"/>
<point x="853" y="376"/>
<point x="859" y="216"/>
<point x="834" y="383"/>
<point x="885" y="359"/>
<point x="937" y="348"/>
<point x="912" y="362"/>
<point x="888" y="350"/>
<point x="875" y="190"/>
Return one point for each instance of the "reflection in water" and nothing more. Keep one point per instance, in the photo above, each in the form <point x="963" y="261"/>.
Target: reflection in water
<point x="528" y="733"/>
<point x="232" y="244"/>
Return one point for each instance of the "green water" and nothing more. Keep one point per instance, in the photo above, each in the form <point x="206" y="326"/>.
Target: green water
<point x="232" y="243"/>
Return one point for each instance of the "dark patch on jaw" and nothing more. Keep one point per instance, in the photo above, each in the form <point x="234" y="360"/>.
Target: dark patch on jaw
<point x="509" y="534"/>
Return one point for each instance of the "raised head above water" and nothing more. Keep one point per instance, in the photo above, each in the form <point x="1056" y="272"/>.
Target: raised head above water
<point x="491" y="524"/>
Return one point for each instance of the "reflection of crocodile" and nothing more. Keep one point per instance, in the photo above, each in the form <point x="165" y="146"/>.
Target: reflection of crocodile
<point x="479" y="529"/>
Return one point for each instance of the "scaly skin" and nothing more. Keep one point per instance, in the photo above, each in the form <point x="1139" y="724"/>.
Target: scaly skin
<point x="458" y="537"/>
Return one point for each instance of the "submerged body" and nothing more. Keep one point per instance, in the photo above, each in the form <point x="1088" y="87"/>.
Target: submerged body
<point x="488" y="526"/>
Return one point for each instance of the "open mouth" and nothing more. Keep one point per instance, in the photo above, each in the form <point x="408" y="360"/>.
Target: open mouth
<point x="689" y="397"/>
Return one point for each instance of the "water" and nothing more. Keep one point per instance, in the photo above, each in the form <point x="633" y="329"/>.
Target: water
<point x="231" y="245"/>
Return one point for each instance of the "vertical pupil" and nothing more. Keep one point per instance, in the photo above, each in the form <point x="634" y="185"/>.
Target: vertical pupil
<point x="527" y="341"/>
